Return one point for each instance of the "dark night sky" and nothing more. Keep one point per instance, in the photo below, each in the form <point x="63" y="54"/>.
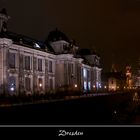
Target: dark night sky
<point x="112" y="27"/>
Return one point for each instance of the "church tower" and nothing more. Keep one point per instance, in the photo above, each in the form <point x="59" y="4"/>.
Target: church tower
<point x="3" y="20"/>
<point x="128" y="76"/>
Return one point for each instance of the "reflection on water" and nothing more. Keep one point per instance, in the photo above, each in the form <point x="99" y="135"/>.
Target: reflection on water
<point x="129" y="112"/>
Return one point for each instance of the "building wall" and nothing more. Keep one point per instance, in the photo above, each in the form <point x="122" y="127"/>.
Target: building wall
<point x="21" y="74"/>
<point x="36" y="71"/>
<point x="96" y="78"/>
<point x="68" y="72"/>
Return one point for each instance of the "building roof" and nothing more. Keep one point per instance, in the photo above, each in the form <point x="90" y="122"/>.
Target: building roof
<point x="26" y="41"/>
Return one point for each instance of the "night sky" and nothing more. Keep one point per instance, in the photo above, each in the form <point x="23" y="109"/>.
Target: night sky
<point x="111" y="27"/>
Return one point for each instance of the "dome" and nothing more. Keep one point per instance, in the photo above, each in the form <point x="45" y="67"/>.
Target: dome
<point x="57" y="35"/>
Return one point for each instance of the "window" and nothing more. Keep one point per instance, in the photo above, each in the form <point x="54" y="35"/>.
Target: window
<point x="12" y="83"/>
<point x="27" y="83"/>
<point x="64" y="46"/>
<point x="97" y="85"/>
<point x="85" y="73"/>
<point x="27" y="62"/>
<point x="50" y="66"/>
<point x="85" y="85"/>
<point x="51" y="83"/>
<point x="39" y="64"/>
<point x="11" y="60"/>
<point x="40" y="83"/>
<point x="89" y="85"/>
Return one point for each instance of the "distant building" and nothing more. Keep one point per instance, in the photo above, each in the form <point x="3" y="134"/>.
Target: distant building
<point x="114" y="81"/>
<point x="29" y="66"/>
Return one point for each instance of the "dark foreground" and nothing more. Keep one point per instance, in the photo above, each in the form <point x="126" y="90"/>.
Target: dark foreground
<point x="102" y="110"/>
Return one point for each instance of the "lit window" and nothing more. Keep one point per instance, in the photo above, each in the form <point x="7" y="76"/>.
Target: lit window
<point x="85" y="85"/>
<point x="39" y="64"/>
<point x="12" y="83"/>
<point x="100" y="85"/>
<point x="89" y="85"/>
<point x="40" y="82"/>
<point x="97" y="84"/>
<point x="27" y="62"/>
<point x="84" y="73"/>
<point x="11" y="60"/>
<point x="27" y="83"/>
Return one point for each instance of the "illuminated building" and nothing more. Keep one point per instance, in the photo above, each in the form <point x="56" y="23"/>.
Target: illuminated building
<point x="29" y="66"/>
<point x="114" y="80"/>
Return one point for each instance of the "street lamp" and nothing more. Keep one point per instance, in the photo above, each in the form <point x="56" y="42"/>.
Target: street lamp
<point x="75" y="85"/>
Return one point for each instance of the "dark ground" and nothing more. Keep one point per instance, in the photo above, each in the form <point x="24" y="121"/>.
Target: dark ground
<point x="102" y="110"/>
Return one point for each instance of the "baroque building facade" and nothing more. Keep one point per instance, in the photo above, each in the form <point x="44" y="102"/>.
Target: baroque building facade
<point x="29" y="66"/>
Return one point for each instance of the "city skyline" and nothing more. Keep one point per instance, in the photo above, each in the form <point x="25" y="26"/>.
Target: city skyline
<point x="111" y="28"/>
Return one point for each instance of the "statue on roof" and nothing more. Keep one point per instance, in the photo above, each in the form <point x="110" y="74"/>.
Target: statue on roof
<point x="3" y="20"/>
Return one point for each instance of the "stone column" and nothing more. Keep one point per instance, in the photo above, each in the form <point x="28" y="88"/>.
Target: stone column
<point x="46" y="76"/>
<point x="35" y="74"/>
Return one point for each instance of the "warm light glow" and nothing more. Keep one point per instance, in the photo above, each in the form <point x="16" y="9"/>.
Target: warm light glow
<point x="113" y="87"/>
<point x="105" y="87"/>
<point x="40" y="85"/>
<point x="93" y="86"/>
<point x="117" y="86"/>
<point x="75" y="85"/>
